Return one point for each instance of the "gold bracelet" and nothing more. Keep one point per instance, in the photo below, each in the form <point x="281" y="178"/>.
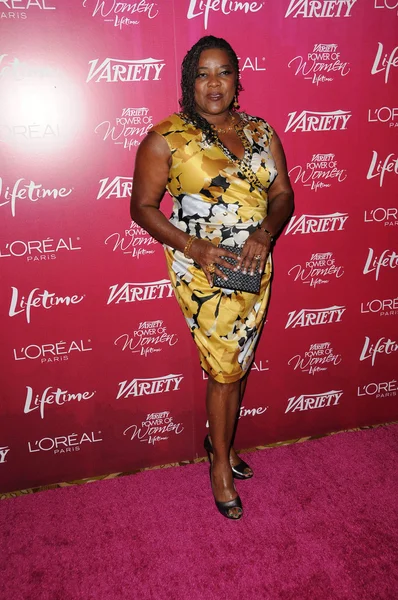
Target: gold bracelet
<point x="188" y="245"/>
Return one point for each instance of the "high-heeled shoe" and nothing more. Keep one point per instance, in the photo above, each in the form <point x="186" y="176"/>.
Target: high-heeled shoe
<point x="238" y="471"/>
<point x="224" y="507"/>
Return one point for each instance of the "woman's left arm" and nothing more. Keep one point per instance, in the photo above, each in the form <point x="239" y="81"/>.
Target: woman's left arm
<point x="280" y="207"/>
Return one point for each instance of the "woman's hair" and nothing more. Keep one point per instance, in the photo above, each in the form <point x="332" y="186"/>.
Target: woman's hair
<point x="188" y="75"/>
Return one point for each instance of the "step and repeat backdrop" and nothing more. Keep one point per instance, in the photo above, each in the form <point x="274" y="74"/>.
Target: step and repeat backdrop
<point x="99" y="373"/>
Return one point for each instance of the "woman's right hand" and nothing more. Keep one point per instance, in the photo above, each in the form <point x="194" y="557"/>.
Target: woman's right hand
<point x="206" y="254"/>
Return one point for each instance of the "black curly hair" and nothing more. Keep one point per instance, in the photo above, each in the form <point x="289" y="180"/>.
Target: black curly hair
<point x="188" y="75"/>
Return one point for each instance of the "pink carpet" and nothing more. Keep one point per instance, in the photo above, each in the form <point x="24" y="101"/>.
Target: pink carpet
<point x="320" y="522"/>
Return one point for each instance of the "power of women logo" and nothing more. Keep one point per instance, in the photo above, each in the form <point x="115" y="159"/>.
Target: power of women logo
<point x="157" y="427"/>
<point x="318" y="173"/>
<point x="318" y="270"/>
<point x="136" y="242"/>
<point x="316" y="359"/>
<point x="128" y="128"/>
<point x="321" y="65"/>
<point x="122" y="14"/>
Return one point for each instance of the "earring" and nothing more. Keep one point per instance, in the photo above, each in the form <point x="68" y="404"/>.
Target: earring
<point x="236" y="103"/>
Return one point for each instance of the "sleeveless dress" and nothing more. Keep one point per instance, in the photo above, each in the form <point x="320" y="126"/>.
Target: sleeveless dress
<point x="222" y="199"/>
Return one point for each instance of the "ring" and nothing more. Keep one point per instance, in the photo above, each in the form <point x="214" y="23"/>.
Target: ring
<point x="257" y="257"/>
<point x="211" y="268"/>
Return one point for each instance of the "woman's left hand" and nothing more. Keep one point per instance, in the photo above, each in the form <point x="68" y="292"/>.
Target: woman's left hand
<point x="255" y="252"/>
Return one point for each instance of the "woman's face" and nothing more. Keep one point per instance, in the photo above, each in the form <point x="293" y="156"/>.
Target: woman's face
<point x="215" y="83"/>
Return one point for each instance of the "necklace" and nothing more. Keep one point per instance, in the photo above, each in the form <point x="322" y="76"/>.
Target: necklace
<point x="225" y="129"/>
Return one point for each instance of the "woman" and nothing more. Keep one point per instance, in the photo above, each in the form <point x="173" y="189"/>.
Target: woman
<point x="227" y="174"/>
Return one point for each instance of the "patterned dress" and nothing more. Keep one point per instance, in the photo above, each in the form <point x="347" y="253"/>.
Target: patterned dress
<point x="222" y="199"/>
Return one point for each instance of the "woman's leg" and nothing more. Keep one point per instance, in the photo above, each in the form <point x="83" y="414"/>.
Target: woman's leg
<point x="233" y="457"/>
<point x="222" y="403"/>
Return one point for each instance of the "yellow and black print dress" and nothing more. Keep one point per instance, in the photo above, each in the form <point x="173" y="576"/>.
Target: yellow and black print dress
<point x="222" y="199"/>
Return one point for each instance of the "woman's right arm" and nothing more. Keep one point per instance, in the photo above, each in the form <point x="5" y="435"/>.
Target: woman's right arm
<point x="151" y="174"/>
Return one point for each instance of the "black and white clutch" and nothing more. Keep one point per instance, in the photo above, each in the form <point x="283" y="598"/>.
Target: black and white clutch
<point x="237" y="280"/>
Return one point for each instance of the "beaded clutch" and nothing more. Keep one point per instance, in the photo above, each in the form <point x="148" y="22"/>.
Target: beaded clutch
<point x="237" y="280"/>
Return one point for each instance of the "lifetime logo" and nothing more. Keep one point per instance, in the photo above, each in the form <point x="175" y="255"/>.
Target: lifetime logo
<point x="132" y="292"/>
<point x="309" y="120"/>
<point x="204" y="7"/>
<point x="316" y="223"/>
<point x="112" y="70"/>
<point x="306" y="317"/>
<point x="149" y="386"/>
<point x="312" y="401"/>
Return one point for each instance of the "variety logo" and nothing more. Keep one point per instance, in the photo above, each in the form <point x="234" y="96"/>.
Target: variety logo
<point x="387" y="259"/>
<point x="307" y="317"/>
<point x="319" y="173"/>
<point x="137" y="292"/>
<point x="150" y="337"/>
<point x="119" y="13"/>
<point x="324" y="58"/>
<point x="318" y="270"/>
<point x="320" y="8"/>
<point x="383" y="345"/>
<point x="384" y="308"/>
<point x="28" y="131"/>
<point x="4" y="450"/>
<point x="384" y="61"/>
<point x="118" y="187"/>
<point x="51" y="396"/>
<point x="309" y="120"/>
<point x="147" y="387"/>
<point x="384" y="389"/>
<point x="64" y="443"/>
<point x="311" y="401"/>
<point x="390" y="4"/>
<point x="318" y="358"/>
<point x="316" y="223"/>
<point x="379" y="168"/>
<point x="203" y="8"/>
<point x="128" y="129"/>
<point x="156" y="428"/>
<point x="252" y="63"/>
<point x="37" y="299"/>
<point x="135" y="241"/>
<point x="29" y="191"/>
<point x="13" y="68"/>
<point x="388" y="216"/>
<point x="113" y="70"/>
<point x="385" y="114"/>
<point x="39" y="250"/>
<point x="51" y="353"/>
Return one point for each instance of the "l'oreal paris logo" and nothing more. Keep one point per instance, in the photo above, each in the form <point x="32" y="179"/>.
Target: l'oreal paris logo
<point x="309" y="120"/>
<point x="112" y="70"/>
<point x="197" y="8"/>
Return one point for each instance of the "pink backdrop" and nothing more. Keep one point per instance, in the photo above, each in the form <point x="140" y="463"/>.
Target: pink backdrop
<point x="99" y="373"/>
